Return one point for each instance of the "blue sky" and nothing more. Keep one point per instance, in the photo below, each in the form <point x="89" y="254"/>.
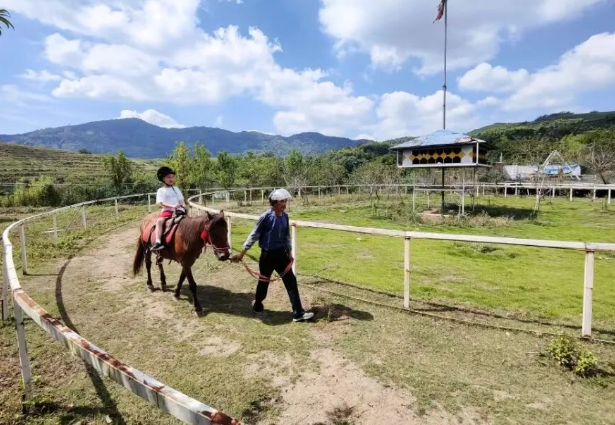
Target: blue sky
<point x="355" y="68"/>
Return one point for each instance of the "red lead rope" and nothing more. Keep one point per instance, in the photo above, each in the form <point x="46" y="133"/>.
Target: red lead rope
<point x="262" y="278"/>
<point x="207" y="239"/>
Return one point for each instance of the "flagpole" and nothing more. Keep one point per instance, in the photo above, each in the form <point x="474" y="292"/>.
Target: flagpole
<point x="444" y="87"/>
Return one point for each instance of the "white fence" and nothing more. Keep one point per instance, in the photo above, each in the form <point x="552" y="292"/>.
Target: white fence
<point x="588" y="247"/>
<point x="156" y="393"/>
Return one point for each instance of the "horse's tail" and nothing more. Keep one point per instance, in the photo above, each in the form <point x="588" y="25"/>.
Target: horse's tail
<point x="139" y="257"/>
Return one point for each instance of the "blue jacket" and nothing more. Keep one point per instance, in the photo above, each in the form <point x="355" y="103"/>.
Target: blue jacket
<point x="271" y="231"/>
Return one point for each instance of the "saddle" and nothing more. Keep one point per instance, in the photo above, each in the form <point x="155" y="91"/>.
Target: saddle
<point x="170" y="226"/>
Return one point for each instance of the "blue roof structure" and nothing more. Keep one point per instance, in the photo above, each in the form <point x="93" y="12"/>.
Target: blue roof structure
<point x="438" y="138"/>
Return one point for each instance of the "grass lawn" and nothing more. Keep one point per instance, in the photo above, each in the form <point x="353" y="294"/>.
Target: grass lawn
<point x="543" y="282"/>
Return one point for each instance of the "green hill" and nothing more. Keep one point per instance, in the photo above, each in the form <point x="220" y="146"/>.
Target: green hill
<point x="19" y="162"/>
<point x="139" y="139"/>
<point x="547" y="128"/>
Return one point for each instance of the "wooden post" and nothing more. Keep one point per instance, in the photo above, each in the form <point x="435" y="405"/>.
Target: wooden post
<point x="347" y="191"/>
<point x="228" y="222"/>
<point x="319" y="191"/>
<point x="413" y="199"/>
<point x="245" y="196"/>
<point x="552" y="192"/>
<point x="26" y="373"/>
<point x="228" y="197"/>
<point x="84" y="219"/>
<point x="428" y="199"/>
<point x="339" y="190"/>
<point x="594" y="197"/>
<point x="463" y="202"/>
<point x="117" y="209"/>
<point x="149" y="203"/>
<point x="263" y="197"/>
<point x="609" y="198"/>
<point x="24" y="256"/>
<point x="55" y="229"/>
<point x="5" y="286"/>
<point x="293" y="235"/>
<point x="505" y="190"/>
<point x="407" y="272"/>
<point x="570" y="194"/>
<point x="587" y="293"/>
<point x="517" y="189"/>
<point x="484" y="189"/>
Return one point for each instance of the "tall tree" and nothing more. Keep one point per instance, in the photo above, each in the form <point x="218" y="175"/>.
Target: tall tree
<point x="227" y="169"/>
<point x="182" y="163"/>
<point x="119" y="170"/>
<point x="4" y="19"/>
<point x="203" y="167"/>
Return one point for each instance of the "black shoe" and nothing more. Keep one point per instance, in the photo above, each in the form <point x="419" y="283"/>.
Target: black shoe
<point x="157" y="246"/>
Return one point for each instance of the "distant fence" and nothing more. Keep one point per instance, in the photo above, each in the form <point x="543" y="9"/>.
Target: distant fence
<point x="156" y="393"/>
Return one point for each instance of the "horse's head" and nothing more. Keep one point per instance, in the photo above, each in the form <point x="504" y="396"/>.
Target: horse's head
<point x="218" y="236"/>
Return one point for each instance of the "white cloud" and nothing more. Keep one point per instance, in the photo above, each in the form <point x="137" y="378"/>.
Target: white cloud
<point x="393" y="31"/>
<point x="405" y="114"/>
<point x="588" y="67"/>
<point x="44" y="76"/>
<point x="12" y="95"/>
<point x="153" y="117"/>
<point x="493" y="79"/>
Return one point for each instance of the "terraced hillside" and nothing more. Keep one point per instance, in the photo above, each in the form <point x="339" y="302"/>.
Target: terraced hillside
<point x="18" y="162"/>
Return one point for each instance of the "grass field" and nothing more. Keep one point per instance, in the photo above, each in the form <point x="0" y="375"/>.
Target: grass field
<point x="441" y="372"/>
<point x="543" y="282"/>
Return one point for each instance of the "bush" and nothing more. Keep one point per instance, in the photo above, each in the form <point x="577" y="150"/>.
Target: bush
<point x="567" y="352"/>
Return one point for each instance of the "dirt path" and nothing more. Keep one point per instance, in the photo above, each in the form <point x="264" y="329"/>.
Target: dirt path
<point x="316" y="384"/>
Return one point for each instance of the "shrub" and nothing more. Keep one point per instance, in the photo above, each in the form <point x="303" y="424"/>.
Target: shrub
<point x="567" y="352"/>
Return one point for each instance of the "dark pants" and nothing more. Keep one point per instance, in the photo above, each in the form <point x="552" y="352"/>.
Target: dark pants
<point x="277" y="260"/>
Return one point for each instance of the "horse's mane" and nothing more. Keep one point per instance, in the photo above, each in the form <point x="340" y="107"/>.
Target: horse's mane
<point x="191" y="228"/>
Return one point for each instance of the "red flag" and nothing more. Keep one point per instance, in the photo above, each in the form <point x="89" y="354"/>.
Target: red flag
<point x="440" y="11"/>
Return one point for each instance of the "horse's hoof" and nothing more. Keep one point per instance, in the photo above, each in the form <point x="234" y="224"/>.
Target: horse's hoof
<point x="163" y="288"/>
<point x="199" y="312"/>
<point x="176" y="296"/>
<point x="151" y="288"/>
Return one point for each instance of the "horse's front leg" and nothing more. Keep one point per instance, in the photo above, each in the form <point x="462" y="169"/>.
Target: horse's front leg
<point x="178" y="289"/>
<point x="148" y="266"/>
<point x="163" y="278"/>
<point x="191" y="282"/>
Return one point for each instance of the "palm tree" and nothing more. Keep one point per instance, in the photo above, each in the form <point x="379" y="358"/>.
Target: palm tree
<point x="4" y="15"/>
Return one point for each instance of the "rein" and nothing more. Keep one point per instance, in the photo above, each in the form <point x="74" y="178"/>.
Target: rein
<point x="206" y="237"/>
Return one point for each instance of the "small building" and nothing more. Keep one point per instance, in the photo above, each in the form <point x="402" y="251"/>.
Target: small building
<point x="442" y="149"/>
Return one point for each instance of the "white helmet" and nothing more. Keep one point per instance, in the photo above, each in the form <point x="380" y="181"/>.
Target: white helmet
<point x="280" y="194"/>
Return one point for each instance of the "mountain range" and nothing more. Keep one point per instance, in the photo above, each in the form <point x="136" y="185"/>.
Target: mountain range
<point x="139" y="139"/>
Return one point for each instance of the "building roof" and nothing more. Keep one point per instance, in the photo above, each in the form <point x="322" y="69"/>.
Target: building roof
<point x="438" y="138"/>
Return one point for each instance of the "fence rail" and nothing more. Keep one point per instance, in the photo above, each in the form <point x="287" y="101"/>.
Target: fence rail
<point x="156" y="393"/>
<point x="588" y="247"/>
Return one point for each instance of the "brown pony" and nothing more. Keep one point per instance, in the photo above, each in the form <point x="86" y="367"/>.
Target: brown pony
<point x="191" y="236"/>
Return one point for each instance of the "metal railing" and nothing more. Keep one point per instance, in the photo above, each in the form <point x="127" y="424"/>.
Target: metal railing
<point x="156" y="393"/>
<point x="588" y="247"/>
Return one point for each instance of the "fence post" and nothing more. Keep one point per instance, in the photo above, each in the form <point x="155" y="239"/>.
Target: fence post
<point x="117" y="209"/>
<point x="84" y="220"/>
<point x="149" y="203"/>
<point x="587" y="293"/>
<point x="262" y="197"/>
<point x="505" y="190"/>
<point x="5" y="286"/>
<point x="24" y="256"/>
<point x="55" y="229"/>
<point x="245" y="196"/>
<point x="517" y="189"/>
<point x="407" y="272"/>
<point x="228" y="197"/>
<point x="413" y="199"/>
<point x="293" y="227"/>
<point x="570" y="194"/>
<point x="228" y="222"/>
<point x="319" y="191"/>
<point x="609" y="197"/>
<point x="594" y="197"/>
<point x="26" y="374"/>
